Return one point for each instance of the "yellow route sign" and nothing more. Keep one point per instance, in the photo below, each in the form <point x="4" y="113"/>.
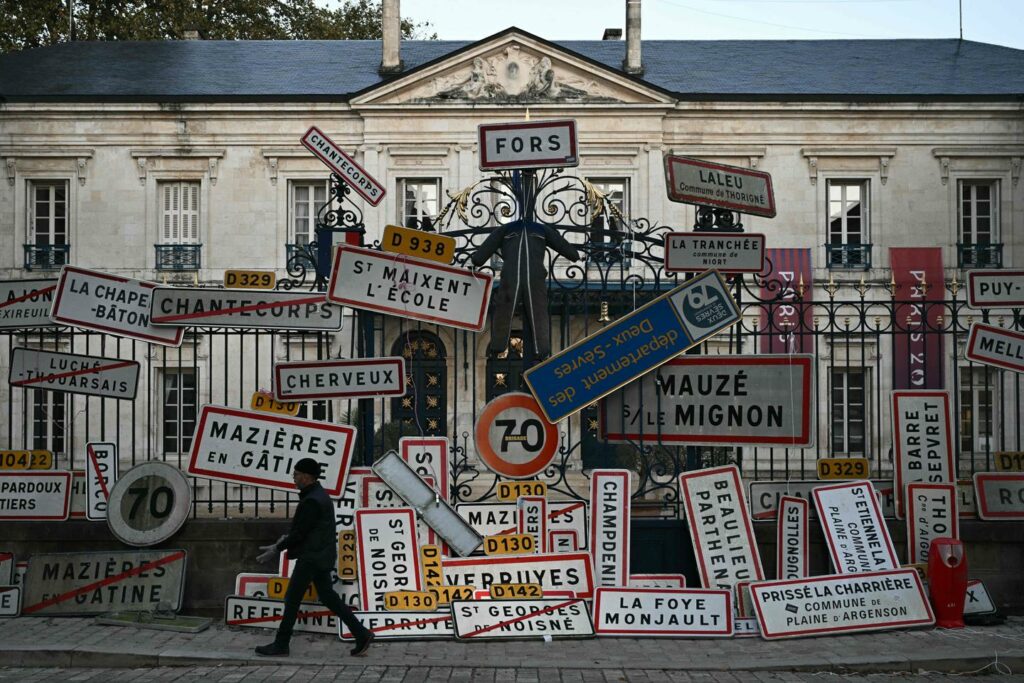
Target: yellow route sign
<point x="516" y="591"/>
<point x="410" y="601"/>
<point x="843" y="468"/>
<point x="26" y="460"/>
<point x="1009" y="461"/>
<point x="250" y="279"/>
<point x="412" y="242"/>
<point x="277" y="586"/>
<point x="509" y="544"/>
<point x="265" y="403"/>
<point x="510" y="491"/>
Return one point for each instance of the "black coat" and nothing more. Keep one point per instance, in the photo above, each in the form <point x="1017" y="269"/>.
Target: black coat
<point x="312" y="536"/>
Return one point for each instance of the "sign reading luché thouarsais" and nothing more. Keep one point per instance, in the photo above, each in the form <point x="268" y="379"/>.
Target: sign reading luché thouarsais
<point x="491" y="519"/>
<point x="242" y="308"/>
<point x="363" y="377"/>
<point x="74" y="373"/>
<point x="858" y="539"/>
<point x="716" y="400"/>
<point x="922" y="440"/>
<point x="26" y="303"/>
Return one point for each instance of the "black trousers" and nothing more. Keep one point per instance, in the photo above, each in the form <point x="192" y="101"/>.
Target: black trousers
<point x="304" y="573"/>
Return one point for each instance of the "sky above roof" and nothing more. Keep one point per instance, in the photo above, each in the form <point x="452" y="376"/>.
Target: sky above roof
<point x="987" y="21"/>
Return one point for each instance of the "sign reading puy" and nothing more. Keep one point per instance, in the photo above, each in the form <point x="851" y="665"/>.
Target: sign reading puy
<point x="694" y="181"/>
<point x="26" y="303"/>
<point x="409" y="287"/>
<point x="74" y="373"/>
<point x="358" y="378"/>
<point x="254" y="309"/>
<point x="995" y="288"/>
<point x="858" y="539"/>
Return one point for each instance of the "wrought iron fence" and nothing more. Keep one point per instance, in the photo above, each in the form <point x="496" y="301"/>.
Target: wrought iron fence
<point x="178" y="257"/>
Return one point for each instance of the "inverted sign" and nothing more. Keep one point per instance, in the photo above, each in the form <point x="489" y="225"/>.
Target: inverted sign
<point x="978" y="600"/>
<point x="358" y="378"/>
<point x="34" y="496"/>
<point x="94" y="300"/>
<point x="10" y="601"/>
<point x="100" y="475"/>
<point x="857" y="537"/>
<point x="657" y="581"/>
<point x="149" y="503"/>
<point x="96" y="582"/>
<point x="513" y="438"/>
<point x="533" y="520"/>
<point x="271" y="310"/>
<point x="262" y="449"/>
<point x="995" y="288"/>
<point x="403" y="626"/>
<point x="923" y="440"/>
<point x="409" y="287"/>
<point x="717" y="401"/>
<point x="931" y="514"/>
<point x="793" y="539"/>
<point x="610" y="492"/>
<point x="388" y="554"/>
<point x="26" y="303"/>
<point x="874" y="601"/>
<point x="634" y="344"/>
<point x="554" y="571"/>
<point x="262" y="612"/>
<point x="765" y="496"/>
<point x="693" y="252"/>
<point x="694" y="181"/>
<point x="490" y="519"/>
<point x="999" y="496"/>
<point x="996" y="346"/>
<point x="528" y="144"/>
<point x="723" y="539"/>
<point x="345" y="166"/>
<point x="412" y="242"/>
<point x="680" y="612"/>
<point x="74" y="373"/>
<point x="548" y="618"/>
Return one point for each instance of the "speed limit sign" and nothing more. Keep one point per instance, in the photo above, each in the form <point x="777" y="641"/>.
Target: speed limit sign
<point x="149" y="504"/>
<point x="512" y="437"/>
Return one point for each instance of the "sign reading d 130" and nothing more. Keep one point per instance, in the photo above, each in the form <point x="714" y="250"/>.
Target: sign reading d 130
<point x="694" y="181"/>
<point x="528" y="144"/>
<point x="631" y="346"/>
<point x="261" y="449"/>
<point x="74" y="373"/>
<point x="209" y="307"/>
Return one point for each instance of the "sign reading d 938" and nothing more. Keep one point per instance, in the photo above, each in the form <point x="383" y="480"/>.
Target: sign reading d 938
<point x="631" y="346"/>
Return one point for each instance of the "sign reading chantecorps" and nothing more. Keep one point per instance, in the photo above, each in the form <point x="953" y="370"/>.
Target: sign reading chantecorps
<point x="362" y="377"/>
<point x="74" y="373"/>
<point x="922" y="440"/>
<point x="271" y="310"/>
<point x="858" y="539"/>
<point x="26" y="303"/>
<point x="345" y="166"/>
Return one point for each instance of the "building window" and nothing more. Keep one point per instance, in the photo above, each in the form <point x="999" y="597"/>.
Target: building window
<point x="47" y="235"/>
<point x="179" y="403"/>
<point x="420" y="200"/>
<point x="605" y="241"/>
<point x="49" y="425"/>
<point x="848" y="243"/>
<point x="978" y="225"/>
<point x="976" y="401"/>
<point x="849" y="392"/>
<point x="179" y="213"/>
<point x="307" y="198"/>
<point x="317" y="410"/>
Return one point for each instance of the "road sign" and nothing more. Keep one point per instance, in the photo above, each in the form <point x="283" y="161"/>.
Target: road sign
<point x="262" y="612"/>
<point x="356" y="378"/>
<point x="79" y="584"/>
<point x="513" y="437"/>
<point x="631" y="346"/>
<point x="547" y="618"/>
<point x="843" y="468"/>
<point x="430" y="561"/>
<point x="875" y="601"/>
<point x="348" y="561"/>
<point x="345" y="166"/>
<point x="694" y="181"/>
<point x="149" y="504"/>
<point x="77" y="504"/>
<point x="996" y="346"/>
<point x="610" y="493"/>
<point x="250" y="279"/>
<point x="723" y="539"/>
<point x="765" y="495"/>
<point x="663" y="612"/>
<point x="428" y="456"/>
<point x="411" y="242"/>
<point x="716" y="401"/>
<point x="563" y="540"/>
<point x="6" y="569"/>
<point x="403" y="626"/>
<point x="931" y="514"/>
<point x="100" y="475"/>
<point x="490" y="519"/>
<point x="793" y="557"/>
<point x="277" y="586"/>
<point x="533" y="520"/>
<point x="922" y="440"/>
<point x="261" y="449"/>
<point x="528" y="144"/>
<point x="94" y="300"/>
<point x="694" y="252"/>
<point x="10" y="601"/>
<point x="554" y="571"/>
<point x="34" y="496"/>
<point x="264" y="402"/>
<point x="511" y="491"/>
<point x="74" y="373"/>
<point x="657" y="581"/>
<point x="26" y="303"/>
<point x="214" y="307"/>
<point x="999" y="495"/>
<point x="445" y="595"/>
<point x="389" y="558"/>
<point x="410" y="601"/>
<point x="995" y="288"/>
<point x="409" y="287"/>
<point x="346" y="504"/>
<point x="978" y="599"/>
<point x="26" y="460"/>
<point x="1009" y="461"/>
<point x="510" y="544"/>
<point x="515" y="591"/>
<point x="857" y="537"/>
<point x="252" y="585"/>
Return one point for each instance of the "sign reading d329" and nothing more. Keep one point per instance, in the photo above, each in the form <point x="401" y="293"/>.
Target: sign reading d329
<point x="633" y="345"/>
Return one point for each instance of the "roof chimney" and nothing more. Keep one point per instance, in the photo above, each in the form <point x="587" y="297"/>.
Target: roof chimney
<point x="612" y="34"/>
<point x="391" y="60"/>
<point x="632" y="64"/>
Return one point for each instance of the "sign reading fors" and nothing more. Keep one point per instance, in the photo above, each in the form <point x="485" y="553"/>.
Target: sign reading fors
<point x="526" y="144"/>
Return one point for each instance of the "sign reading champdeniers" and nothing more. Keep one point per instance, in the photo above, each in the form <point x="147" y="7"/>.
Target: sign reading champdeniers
<point x="716" y="401"/>
<point x="631" y="346"/>
<point x="694" y="181"/>
<point x="363" y="377"/>
<point x="858" y="539"/>
<point x="74" y="373"/>
<point x="923" y="441"/>
<point x="609" y="525"/>
<point x="26" y="303"/>
<point x="209" y="307"/>
<point x="841" y="604"/>
<point x="528" y="144"/>
<point x="260" y="448"/>
<point x="345" y="166"/>
<point x="94" y="300"/>
<point x="693" y="252"/>
<point x="409" y="287"/>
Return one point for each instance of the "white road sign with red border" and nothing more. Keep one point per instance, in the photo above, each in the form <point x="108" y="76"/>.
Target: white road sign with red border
<point x="1000" y="495"/>
<point x="428" y="456"/>
<point x="996" y="346"/>
<point x="793" y="559"/>
<point x="404" y="625"/>
<point x="100" y="475"/>
<point x="389" y="557"/>
<point x="995" y="288"/>
<point x="858" y="539"/>
<point x="548" y="618"/>
<point x="931" y="514"/>
<point x="262" y="612"/>
<point x="765" y="496"/>
<point x="610" y="492"/>
<point x="533" y="520"/>
<point x="694" y="252"/>
<point x="35" y="496"/>
<point x="513" y="438"/>
<point x="490" y="519"/>
<point x="563" y="540"/>
<point x="704" y="183"/>
<point x="74" y="373"/>
<point x="248" y="585"/>
<point x="528" y="144"/>
<point x="354" y="175"/>
<point x="657" y="581"/>
<point x="26" y="303"/>
<point x="553" y="571"/>
<point x="349" y="378"/>
<point x="923" y="440"/>
<point x="663" y="612"/>
<point x="244" y="308"/>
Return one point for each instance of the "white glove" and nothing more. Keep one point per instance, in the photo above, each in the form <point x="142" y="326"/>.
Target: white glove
<point x="270" y="552"/>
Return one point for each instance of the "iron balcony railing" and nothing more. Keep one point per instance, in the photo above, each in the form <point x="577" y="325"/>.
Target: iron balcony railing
<point x="46" y="257"/>
<point x="848" y="256"/>
<point x="178" y="257"/>
<point x="979" y="255"/>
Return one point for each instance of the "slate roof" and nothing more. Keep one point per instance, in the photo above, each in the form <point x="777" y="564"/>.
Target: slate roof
<point x="314" y="70"/>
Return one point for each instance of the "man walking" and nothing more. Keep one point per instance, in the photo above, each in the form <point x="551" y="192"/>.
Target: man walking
<point x="311" y="541"/>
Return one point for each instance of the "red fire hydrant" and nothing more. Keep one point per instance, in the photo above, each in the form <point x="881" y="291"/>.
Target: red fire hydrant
<point x="947" y="581"/>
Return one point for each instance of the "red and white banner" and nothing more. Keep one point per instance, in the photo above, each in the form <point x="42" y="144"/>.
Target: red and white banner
<point x="931" y="514"/>
<point x="663" y="612"/>
<point x="563" y="540"/>
<point x="389" y="556"/>
<point x="793" y="539"/>
<point x="917" y="344"/>
<point x="787" y="322"/>
<point x="922" y="440"/>
<point x="609" y="525"/>
<point x="851" y="518"/>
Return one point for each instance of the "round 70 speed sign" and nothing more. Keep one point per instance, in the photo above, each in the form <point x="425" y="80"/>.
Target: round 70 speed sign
<point x="149" y="504"/>
<point x="513" y="438"/>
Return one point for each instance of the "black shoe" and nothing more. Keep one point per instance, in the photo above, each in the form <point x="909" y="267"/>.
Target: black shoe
<point x="362" y="645"/>
<point x="272" y="650"/>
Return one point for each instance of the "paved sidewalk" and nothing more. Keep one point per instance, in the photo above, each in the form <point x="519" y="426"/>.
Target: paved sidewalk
<point x="79" y="642"/>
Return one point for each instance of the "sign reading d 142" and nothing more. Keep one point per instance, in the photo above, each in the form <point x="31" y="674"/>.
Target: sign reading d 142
<point x="693" y="181"/>
<point x="528" y="144"/>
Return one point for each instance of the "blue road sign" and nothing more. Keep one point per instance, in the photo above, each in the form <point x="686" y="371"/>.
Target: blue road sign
<point x="633" y="345"/>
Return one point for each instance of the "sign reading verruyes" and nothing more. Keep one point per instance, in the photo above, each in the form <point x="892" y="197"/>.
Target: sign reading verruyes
<point x="26" y="303"/>
<point x="403" y="625"/>
<point x="634" y="344"/>
<point x="389" y="558"/>
<point x="609" y="526"/>
<point x="271" y="310"/>
<point x="361" y="377"/>
<point x="74" y="373"/>
<point x="931" y="514"/>
<point x="723" y="538"/>
<point x="259" y="448"/>
<point x="875" y="601"/>
<point x="858" y="539"/>
<point x="554" y="571"/>
<point x="665" y="612"/>
<point x="923" y="440"/>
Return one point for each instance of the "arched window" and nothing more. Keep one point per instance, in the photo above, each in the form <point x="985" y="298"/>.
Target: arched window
<point x="424" y="408"/>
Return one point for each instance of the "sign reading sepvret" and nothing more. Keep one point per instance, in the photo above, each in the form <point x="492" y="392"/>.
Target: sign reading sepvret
<point x="26" y="303"/>
<point x="260" y="448"/>
<point x="718" y="401"/>
<point x="74" y="373"/>
<point x="362" y="377"/>
<point x="209" y="307"/>
<point x="923" y="441"/>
